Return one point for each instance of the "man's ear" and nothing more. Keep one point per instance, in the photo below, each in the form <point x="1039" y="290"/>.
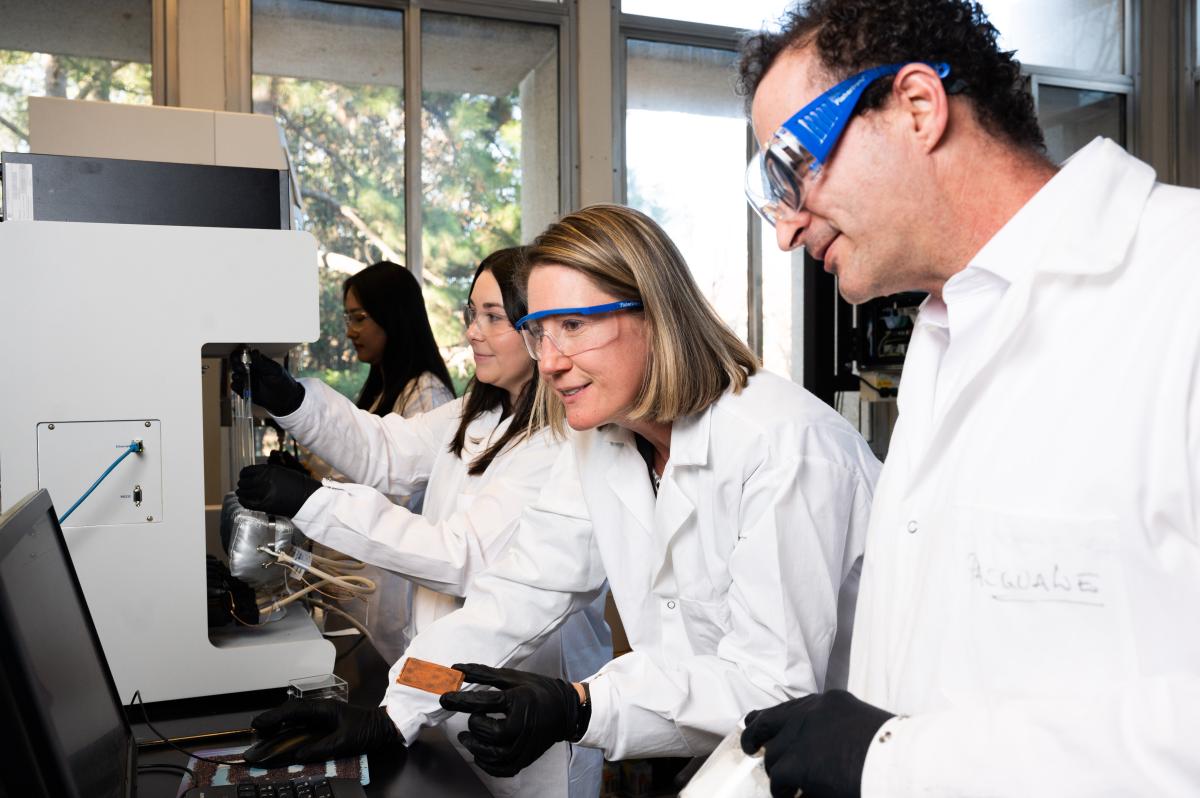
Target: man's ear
<point x="918" y="94"/>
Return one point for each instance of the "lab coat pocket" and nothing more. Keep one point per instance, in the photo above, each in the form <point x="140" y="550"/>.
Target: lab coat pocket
<point x="1037" y="604"/>
<point x="705" y="623"/>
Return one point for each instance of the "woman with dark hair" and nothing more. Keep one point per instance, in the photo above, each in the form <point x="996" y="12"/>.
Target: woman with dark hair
<point x="386" y="321"/>
<point x="481" y="460"/>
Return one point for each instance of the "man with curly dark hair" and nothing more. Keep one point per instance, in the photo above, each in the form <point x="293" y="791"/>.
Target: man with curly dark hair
<point x="1026" y="623"/>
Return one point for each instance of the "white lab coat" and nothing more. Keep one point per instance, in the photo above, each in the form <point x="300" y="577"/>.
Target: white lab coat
<point x="727" y="582"/>
<point x="1031" y="586"/>
<point x="387" y="613"/>
<point x="466" y="522"/>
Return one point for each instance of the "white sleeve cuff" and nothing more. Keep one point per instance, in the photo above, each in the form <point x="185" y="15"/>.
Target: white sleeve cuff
<point x="883" y="771"/>
<point x="307" y="405"/>
<point x="596" y="736"/>
<point x="314" y="507"/>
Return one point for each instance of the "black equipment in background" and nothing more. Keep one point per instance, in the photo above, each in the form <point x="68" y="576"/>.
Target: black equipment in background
<point x="844" y="340"/>
<point x="68" y="188"/>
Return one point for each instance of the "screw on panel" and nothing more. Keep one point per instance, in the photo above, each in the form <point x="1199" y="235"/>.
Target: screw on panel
<point x="147" y="423"/>
<point x="49" y="426"/>
<point x="149" y="518"/>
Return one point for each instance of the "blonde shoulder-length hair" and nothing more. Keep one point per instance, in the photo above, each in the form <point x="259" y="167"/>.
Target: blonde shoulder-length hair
<point x="694" y="357"/>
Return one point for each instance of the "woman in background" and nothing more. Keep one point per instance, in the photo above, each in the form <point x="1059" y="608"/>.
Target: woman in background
<point x="386" y="321"/>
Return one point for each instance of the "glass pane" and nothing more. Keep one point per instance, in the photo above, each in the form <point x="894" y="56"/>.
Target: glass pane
<point x="1075" y="34"/>
<point x="108" y="58"/>
<point x="783" y="308"/>
<point x="489" y="153"/>
<point x="750" y="14"/>
<point x="333" y="76"/>
<point x="685" y="156"/>
<point x="1070" y="118"/>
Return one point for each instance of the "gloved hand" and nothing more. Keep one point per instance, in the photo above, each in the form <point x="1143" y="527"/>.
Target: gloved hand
<point x="280" y="457"/>
<point x="816" y="744"/>
<point x="271" y="387"/>
<point x="337" y="729"/>
<point x="274" y="489"/>
<point x="538" y="712"/>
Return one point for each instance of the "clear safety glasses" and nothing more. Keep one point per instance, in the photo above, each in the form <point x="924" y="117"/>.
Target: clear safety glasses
<point x="355" y="319"/>
<point x="573" y="330"/>
<point x="491" y="322"/>
<point x="778" y="176"/>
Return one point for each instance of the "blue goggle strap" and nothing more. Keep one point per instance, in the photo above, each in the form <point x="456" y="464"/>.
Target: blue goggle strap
<point x="626" y="304"/>
<point x="817" y="126"/>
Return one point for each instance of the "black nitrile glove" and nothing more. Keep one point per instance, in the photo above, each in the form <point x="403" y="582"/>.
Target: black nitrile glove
<point x="271" y="387"/>
<point x="274" y="489"/>
<point x="816" y="744"/>
<point x="281" y="457"/>
<point x="337" y="729"/>
<point x="538" y="712"/>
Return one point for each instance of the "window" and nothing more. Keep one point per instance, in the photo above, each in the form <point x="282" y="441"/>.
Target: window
<point x="782" y="307"/>
<point x="74" y="49"/>
<point x="1086" y="35"/>
<point x="333" y="76"/>
<point x="686" y="143"/>
<point x="1070" y="118"/>
<point x="488" y="148"/>
<point x="685" y="158"/>
<point x="489" y="153"/>
<point x="1074" y="53"/>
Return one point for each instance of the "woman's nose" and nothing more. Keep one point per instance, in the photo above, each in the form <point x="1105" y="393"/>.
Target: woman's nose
<point x="550" y="360"/>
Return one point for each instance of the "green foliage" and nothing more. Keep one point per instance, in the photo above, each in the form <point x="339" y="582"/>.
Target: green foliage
<point x="348" y="145"/>
<point x="28" y="74"/>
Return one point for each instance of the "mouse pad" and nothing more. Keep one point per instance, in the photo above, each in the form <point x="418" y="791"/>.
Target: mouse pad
<point x="209" y="774"/>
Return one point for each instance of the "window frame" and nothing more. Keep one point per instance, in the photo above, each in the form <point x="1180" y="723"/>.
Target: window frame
<point x="558" y="15"/>
<point x="1189" y="95"/>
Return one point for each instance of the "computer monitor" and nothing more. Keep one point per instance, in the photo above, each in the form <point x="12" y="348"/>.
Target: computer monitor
<point x="66" y="734"/>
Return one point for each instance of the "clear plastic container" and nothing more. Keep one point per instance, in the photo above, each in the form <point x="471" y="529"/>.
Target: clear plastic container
<point x="327" y="686"/>
<point x="729" y="773"/>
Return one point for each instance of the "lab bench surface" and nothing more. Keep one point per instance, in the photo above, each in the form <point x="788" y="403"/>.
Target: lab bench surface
<point x="430" y="766"/>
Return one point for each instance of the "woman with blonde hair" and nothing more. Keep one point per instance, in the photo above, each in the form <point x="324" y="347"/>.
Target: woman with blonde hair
<point x="725" y="507"/>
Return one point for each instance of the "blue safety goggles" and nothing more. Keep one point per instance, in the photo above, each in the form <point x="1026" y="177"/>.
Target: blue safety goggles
<point x="777" y="174"/>
<point x="572" y="330"/>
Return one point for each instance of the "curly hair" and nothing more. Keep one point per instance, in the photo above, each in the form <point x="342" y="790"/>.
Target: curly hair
<point x="854" y="35"/>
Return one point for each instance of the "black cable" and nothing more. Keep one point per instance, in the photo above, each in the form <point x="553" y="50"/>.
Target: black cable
<point x="137" y="697"/>
<point x="165" y="767"/>
<point x="354" y="645"/>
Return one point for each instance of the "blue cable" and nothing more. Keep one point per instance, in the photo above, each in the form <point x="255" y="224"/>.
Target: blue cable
<point x="134" y="446"/>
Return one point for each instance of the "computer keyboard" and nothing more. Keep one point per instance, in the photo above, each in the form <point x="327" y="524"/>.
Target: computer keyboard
<point x="320" y="788"/>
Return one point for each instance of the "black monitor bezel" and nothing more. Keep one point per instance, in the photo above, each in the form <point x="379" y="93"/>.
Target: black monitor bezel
<point x="34" y="733"/>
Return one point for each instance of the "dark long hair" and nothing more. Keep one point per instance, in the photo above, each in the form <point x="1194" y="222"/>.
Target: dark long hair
<point x="391" y="296"/>
<point x="482" y="397"/>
